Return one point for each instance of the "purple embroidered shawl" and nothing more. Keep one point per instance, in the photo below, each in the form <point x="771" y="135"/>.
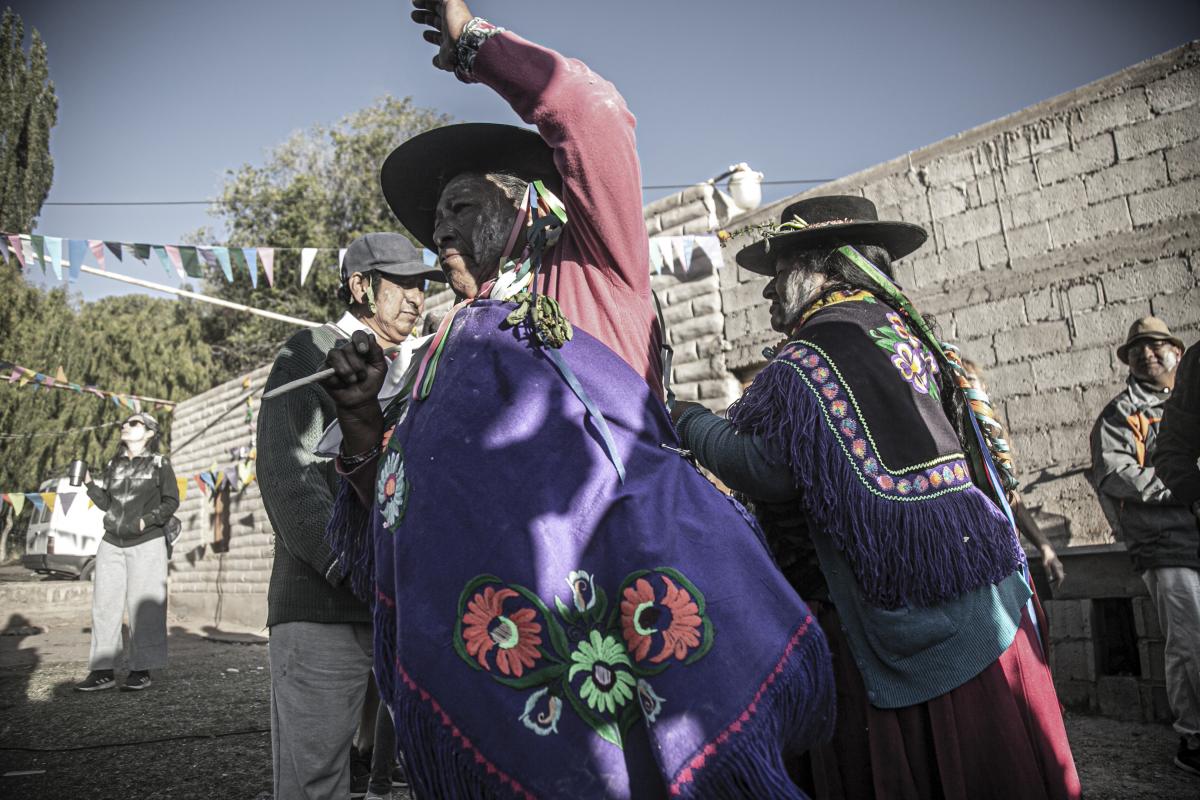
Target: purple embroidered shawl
<point x="852" y="405"/>
<point x="543" y="630"/>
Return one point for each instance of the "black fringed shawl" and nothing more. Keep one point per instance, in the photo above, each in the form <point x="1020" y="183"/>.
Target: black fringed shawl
<point x="852" y="405"/>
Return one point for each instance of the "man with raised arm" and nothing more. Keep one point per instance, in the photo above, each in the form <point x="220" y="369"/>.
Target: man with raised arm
<point x="564" y="607"/>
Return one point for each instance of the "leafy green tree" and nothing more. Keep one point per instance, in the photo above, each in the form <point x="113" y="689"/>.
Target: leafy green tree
<point x="132" y="343"/>
<point x="28" y="110"/>
<point x="320" y="188"/>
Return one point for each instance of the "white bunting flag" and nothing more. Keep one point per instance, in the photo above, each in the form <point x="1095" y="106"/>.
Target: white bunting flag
<point x="307" y="254"/>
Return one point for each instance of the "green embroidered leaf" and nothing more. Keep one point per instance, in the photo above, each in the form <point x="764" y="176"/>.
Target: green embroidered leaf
<point x="564" y="611"/>
<point x="706" y="643"/>
<point x="557" y="637"/>
<point x="537" y="677"/>
<point x="597" y="611"/>
<point x="604" y="728"/>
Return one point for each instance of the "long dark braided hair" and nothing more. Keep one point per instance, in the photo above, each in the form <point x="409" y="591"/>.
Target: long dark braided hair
<point x="844" y="275"/>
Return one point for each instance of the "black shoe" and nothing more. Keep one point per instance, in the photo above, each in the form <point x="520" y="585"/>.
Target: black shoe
<point x="360" y="774"/>
<point x="136" y="681"/>
<point x="96" y="680"/>
<point x="1186" y="758"/>
<point x="399" y="775"/>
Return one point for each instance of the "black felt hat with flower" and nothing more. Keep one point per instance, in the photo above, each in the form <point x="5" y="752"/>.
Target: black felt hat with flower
<point x="829" y="221"/>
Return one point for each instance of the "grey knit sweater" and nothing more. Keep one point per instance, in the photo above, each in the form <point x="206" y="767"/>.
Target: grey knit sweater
<point x="298" y="490"/>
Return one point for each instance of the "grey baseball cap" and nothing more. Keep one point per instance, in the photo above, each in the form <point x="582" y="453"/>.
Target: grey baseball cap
<point x="389" y="253"/>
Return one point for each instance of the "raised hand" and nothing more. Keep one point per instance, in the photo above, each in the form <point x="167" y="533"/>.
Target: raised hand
<point x="359" y="369"/>
<point x="446" y="18"/>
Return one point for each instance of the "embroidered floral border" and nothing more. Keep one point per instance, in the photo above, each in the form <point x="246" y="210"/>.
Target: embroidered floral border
<point x="596" y="661"/>
<point x="922" y="481"/>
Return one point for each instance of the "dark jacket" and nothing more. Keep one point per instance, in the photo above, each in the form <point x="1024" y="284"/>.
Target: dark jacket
<point x="133" y="491"/>
<point x="1156" y="528"/>
<point x="1179" y="438"/>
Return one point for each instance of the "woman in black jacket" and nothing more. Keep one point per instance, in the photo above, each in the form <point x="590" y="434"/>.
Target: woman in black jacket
<point x="138" y="494"/>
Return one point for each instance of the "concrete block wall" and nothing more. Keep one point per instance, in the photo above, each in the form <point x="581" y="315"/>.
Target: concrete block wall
<point x="1051" y="230"/>
<point x="219" y="587"/>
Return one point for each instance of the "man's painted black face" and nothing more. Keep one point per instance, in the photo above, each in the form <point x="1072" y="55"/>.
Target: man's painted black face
<point x="471" y="226"/>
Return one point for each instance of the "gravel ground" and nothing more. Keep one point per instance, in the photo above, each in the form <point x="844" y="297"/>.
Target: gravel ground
<point x="203" y="727"/>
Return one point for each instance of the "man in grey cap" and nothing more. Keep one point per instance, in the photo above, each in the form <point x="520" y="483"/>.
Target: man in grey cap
<point x="1158" y="529"/>
<point x="320" y="648"/>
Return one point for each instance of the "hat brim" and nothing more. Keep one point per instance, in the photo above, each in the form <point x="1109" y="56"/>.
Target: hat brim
<point x="415" y="173"/>
<point x="408" y="271"/>
<point x="898" y="238"/>
<point x="1123" y="350"/>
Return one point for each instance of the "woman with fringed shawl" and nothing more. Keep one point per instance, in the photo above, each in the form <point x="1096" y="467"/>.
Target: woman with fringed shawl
<point x="882" y="495"/>
<point x="563" y="606"/>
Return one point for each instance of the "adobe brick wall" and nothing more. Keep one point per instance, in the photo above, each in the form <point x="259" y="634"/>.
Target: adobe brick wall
<point x="1052" y="229"/>
<point x="205" y="585"/>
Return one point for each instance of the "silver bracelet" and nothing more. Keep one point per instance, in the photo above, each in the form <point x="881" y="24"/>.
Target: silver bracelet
<point x="351" y="463"/>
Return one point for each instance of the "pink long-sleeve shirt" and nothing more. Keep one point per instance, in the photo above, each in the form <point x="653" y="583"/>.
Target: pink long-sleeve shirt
<point x="599" y="271"/>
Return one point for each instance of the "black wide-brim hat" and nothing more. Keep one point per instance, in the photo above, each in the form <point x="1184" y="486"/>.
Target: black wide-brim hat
<point x="415" y="173"/>
<point x="833" y="220"/>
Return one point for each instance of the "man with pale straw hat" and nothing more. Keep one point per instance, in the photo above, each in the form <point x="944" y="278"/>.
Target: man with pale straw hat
<point x="1158" y="529"/>
<point x="881" y="478"/>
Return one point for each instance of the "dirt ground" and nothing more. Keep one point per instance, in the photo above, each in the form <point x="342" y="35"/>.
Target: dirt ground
<point x="201" y="732"/>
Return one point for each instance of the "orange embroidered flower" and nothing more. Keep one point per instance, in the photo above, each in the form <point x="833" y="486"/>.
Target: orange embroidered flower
<point x="637" y="597"/>
<point x="514" y="636"/>
<point x="642" y="617"/>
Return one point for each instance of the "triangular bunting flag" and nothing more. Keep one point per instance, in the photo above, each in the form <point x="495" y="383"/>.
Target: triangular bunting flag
<point x="689" y="245"/>
<point x="200" y="485"/>
<point x="67" y="498"/>
<point x="222" y="254"/>
<point x="38" y="242"/>
<point x="17" y="501"/>
<point x="3" y="248"/>
<point x="655" y="257"/>
<point x="114" y="248"/>
<point x="307" y="254"/>
<point x="53" y="254"/>
<point x="267" y="254"/>
<point x="15" y="241"/>
<point x="711" y="246"/>
<point x="238" y="259"/>
<point x="60" y="375"/>
<point x="48" y="499"/>
<point x="176" y="261"/>
<point x="141" y="251"/>
<point x="163" y="259"/>
<point x="182" y="484"/>
<point x="251" y="264"/>
<point x="36" y="499"/>
<point x="76" y="253"/>
<point x="429" y="257"/>
<point x="191" y="262"/>
<point x="31" y="258"/>
<point x="341" y="258"/>
<point x="97" y="248"/>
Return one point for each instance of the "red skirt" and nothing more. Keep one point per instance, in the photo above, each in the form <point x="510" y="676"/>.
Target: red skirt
<point x="999" y="735"/>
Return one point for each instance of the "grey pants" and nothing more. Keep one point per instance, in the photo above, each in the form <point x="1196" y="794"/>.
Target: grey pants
<point x="319" y="675"/>
<point x="130" y="580"/>
<point x="1176" y="595"/>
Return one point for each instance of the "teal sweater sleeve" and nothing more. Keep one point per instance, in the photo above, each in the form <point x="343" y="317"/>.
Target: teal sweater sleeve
<point x="739" y="460"/>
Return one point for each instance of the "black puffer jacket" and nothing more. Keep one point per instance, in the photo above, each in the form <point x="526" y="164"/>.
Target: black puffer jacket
<point x="133" y="491"/>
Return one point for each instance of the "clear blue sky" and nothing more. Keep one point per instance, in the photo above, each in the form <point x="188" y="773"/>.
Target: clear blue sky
<point x="157" y="98"/>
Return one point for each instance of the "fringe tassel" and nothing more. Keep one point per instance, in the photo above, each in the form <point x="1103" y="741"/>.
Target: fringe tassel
<point x="348" y="534"/>
<point x="799" y="706"/>
<point x="915" y="553"/>
<point x="383" y="618"/>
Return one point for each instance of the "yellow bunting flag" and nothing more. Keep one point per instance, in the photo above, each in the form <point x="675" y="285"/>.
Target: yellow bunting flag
<point x="48" y="499"/>
<point x="182" y="484"/>
<point x="60" y="376"/>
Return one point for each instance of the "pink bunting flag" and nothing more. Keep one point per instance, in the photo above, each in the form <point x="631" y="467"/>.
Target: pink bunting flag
<point x="176" y="261"/>
<point x="97" y="248"/>
<point x="267" y="256"/>
<point x="15" y="242"/>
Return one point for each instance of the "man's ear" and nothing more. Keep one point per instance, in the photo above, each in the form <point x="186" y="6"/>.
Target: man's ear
<point x="358" y="288"/>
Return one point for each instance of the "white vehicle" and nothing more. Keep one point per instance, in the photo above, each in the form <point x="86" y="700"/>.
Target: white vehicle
<point x="64" y="541"/>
